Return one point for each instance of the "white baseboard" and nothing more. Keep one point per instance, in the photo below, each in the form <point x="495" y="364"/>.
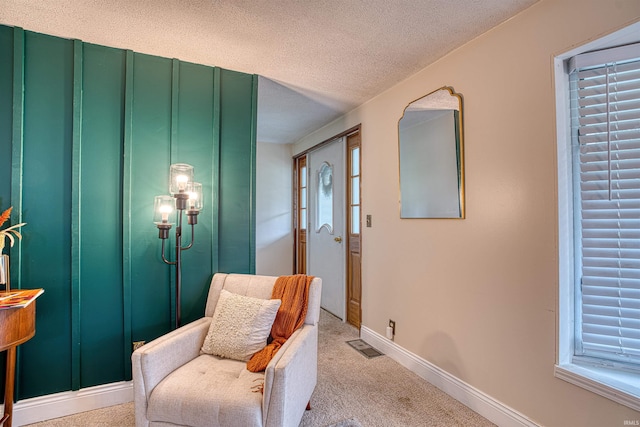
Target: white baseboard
<point x="493" y="410"/>
<point x="57" y="405"/>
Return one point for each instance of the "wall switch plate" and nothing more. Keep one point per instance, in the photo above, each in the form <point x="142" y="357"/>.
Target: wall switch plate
<point x="368" y="220"/>
<point x="137" y="344"/>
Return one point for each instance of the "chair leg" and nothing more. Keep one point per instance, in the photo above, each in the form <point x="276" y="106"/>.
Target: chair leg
<point x="309" y="406"/>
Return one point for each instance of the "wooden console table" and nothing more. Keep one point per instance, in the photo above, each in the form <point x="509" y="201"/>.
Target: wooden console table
<point x="17" y="325"/>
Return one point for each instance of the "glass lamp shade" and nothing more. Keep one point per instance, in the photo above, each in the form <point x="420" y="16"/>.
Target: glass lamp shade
<point x="163" y="208"/>
<point x="180" y="175"/>
<point x="195" y="202"/>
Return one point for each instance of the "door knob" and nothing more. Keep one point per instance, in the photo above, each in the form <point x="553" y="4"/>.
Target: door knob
<point x="338" y="239"/>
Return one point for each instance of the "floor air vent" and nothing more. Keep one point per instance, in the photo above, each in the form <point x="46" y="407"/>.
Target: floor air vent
<point x="364" y="348"/>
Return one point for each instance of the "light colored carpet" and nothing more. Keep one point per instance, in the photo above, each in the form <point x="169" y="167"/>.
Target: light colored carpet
<point x="352" y="391"/>
<point x="376" y="392"/>
<point x="351" y="422"/>
<point x="119" y="415"/>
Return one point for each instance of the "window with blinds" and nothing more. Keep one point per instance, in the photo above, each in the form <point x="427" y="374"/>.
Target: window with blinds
<point x="606" y="145"/>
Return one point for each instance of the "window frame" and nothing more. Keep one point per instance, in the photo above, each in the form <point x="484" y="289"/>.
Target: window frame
<point x="617" y="385"/>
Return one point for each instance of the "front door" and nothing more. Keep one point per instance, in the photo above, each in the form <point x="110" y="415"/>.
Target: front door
<point x="325" y="231"/>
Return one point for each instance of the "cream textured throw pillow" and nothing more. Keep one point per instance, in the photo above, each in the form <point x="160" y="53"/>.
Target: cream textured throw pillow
<point x="240" y="326"/>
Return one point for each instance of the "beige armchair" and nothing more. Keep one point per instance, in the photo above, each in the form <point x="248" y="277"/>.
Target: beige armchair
<point x="176" y="385"/>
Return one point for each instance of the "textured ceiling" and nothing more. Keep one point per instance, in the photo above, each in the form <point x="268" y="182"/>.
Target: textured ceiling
<point x="317" y="58"/>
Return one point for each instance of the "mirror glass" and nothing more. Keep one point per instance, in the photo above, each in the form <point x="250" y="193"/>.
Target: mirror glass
<point x="431" y="157"/>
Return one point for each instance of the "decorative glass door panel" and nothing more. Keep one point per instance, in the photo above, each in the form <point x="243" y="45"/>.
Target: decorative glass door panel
<point x="324" y="196"/>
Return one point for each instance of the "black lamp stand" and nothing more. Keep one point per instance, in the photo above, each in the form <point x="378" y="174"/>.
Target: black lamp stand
<point x="163" y="233"/>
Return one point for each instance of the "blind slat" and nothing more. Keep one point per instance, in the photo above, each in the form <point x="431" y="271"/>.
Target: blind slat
<point x="626" y="144"/>
<point x="630" y="105"/>
<point x="597" y="94"/>
<point x="632" y="234"/>
<point x="600" y="117"/>
<point x="616" y="102"/>
<point x="615" y="136"/>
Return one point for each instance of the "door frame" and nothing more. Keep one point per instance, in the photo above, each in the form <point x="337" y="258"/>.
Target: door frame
<point x="299" y="232"/>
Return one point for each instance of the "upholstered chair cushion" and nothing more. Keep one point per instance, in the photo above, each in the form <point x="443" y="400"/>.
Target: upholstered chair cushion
<point x="206" y="392"/>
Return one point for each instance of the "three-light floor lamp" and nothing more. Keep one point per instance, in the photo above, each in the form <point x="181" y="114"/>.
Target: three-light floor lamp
<point x="186" y="195"/>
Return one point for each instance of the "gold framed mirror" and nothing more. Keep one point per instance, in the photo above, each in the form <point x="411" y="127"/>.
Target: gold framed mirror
<point x="431" y="148"/>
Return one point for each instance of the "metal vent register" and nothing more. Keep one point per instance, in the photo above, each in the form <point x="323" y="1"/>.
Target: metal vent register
<point x="364" y="349"/>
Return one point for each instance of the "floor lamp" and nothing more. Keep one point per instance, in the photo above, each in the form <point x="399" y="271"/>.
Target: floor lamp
<point x="186" y="195"/>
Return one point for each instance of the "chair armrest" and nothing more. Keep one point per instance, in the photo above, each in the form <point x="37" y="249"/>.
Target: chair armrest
<point x="290" y="378"/>
<point x="152" y="362"/>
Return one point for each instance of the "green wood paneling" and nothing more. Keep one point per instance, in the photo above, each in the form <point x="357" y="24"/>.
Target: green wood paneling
<point x="150" y="159"/>
<point x="46" y="207"/>
<point x="127" y="260"/>
<point x="101" y="298"/>
<point x="194" y="145"/>
<point x="17" y="149"/>
<point x="214" y="214"/>
<point x="237" y="172"/>
<point x="84" y="152"/>
<point x="6" y="126"/>
<point x="76" y="208"/>
<point x="6" y="115"/>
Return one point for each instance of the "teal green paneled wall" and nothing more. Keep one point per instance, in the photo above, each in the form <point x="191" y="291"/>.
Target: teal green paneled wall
<point x="100" y="153"/>
<point x="6" y="128"/>
<point x="6" y="107"/>
<point x="46" y="207"/>
<point x="87" y="134"/>
<point x="237" y="178"/>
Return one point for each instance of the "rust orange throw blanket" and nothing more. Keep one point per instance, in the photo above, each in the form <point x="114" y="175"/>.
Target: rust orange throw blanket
<point x="294" y="293"/>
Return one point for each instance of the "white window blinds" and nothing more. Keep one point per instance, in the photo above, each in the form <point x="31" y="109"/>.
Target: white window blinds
<point x="606" y="122"/>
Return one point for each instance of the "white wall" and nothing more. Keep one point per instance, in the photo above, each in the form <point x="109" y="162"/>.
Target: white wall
<point x="478" y="297"/>
<point x="274" y="238"/>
